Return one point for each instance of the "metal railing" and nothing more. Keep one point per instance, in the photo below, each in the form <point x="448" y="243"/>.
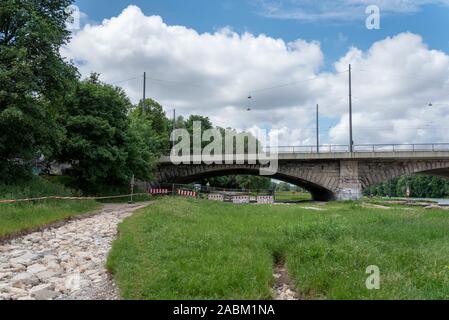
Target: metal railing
<point x="358" y="148"/>
<point x="362" y="148"/>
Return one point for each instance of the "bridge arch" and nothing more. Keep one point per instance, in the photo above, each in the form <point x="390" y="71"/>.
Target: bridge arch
<point x="375" y="172"/>
<point x="193" y="173"/>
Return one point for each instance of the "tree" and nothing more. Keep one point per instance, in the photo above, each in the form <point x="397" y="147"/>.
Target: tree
<point x="420" y="186"/>
<point x="240" y="182"/>
<point x="284" y="187"/>
<point x="142" y="148"/>
<point x="254" y="182"/>
<point x="97" y="135"/>
<point x="33" y="80"/>
<point x="206" y="124"/>
<point x="154" y="114"/>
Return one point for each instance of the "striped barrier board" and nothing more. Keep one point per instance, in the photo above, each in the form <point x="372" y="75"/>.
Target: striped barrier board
<point x="216" y="197"/>
<point x="240" y="199"/>
<point x="265" y="199"/>
<point x="187" y="193"/>
<point x="155" y="191"/>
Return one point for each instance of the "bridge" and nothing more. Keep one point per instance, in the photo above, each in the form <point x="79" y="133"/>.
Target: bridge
<point x="333" y="173"/>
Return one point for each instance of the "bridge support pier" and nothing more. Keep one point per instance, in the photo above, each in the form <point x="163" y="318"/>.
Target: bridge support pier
<point x="350" y="186"/>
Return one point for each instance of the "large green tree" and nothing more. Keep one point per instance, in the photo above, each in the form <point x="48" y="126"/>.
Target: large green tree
<point x="154" y="115"/>
<point x="33" y="80"/>
<point x="97" y="135"/>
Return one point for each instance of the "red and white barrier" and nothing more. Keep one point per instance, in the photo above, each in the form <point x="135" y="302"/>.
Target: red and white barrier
<point x="187" y="193"/>
<point x="155" y="191"/>
<point x="216" y="197"/>
<point x="240" y="199"/>
<point x="265" y="199"/>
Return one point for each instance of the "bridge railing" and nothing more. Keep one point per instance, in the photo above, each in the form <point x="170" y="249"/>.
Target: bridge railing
<point x="363" y="148"/>
<point x="358" y="148"/>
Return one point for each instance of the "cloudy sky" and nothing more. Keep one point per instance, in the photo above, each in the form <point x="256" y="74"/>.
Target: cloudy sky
<point x="206" y="57"/>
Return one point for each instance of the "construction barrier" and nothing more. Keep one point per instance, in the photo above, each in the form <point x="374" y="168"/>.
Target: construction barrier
<point x="154" y="191"/>
<point x="265" y="199"/>
<point x="187" y="193"/>
<point x="216" y="197"/>
<point x="240" y="199"/>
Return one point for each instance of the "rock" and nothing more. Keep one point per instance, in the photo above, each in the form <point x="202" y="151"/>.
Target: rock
<point x="54" y="266"/>
<point x="26" y="298"/>
<point x="43" y="292"/>
<point x="49" y="258"/>
<point x="85" y="255"/>
<point x="24" y="279"/>
<point x="65" y="258"/>
<point x="36" y="268"/>
<point x="59" y="284"/>
<point x="18" y="268"/>
<point x="5" y="275"/>
<point x="47" y="274"/>
<point x="4" y="287"/>
<point x="25" y="259"/>
<point x="48" y="265"/>
<point x="17" y="292"/>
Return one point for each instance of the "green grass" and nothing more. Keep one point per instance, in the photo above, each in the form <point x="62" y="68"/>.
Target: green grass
<point x="293" y="196"/>
<point x="20" y="217"/>
<point x="191" y="249"/>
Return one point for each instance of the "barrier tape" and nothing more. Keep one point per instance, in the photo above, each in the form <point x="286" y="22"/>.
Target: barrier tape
<point x="71" y="198"/>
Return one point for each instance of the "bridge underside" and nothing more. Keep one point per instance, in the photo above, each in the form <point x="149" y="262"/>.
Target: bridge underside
<point x="444" y="173"/>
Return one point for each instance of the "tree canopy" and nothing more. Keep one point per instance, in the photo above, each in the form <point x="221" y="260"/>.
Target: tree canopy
<point x="33" y="80"/>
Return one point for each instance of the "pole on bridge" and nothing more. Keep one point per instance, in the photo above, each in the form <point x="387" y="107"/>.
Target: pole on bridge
<point x="174" y="119"/>
<point x="317" y="129"/>
<point x="173" y="127"/>
<point x="144" y="91"/>
<point x="351" y="140"/>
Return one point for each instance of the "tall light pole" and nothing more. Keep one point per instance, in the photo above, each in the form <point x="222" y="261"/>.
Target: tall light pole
<point x="317" y="129"/>
<point x="351" y="140"/>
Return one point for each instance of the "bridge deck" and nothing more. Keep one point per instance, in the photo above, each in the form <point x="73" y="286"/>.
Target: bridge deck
<point x="396" y="155"/>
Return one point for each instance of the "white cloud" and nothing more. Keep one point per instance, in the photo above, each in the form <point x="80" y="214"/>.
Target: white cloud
<point x="211" y="74"/>
<point x="337" y="10"/>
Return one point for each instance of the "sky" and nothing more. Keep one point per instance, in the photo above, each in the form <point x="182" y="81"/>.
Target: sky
<point x="206" y="57"/>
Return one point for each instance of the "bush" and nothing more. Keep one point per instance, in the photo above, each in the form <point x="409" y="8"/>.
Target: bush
<point x="35" y="187"/>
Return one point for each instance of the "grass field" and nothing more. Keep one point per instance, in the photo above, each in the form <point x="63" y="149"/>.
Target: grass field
<point x="293" y="196"/>
<point x="190" y="249"/>
<point x="25" y="216"/>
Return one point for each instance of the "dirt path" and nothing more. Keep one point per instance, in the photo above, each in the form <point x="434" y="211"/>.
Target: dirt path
<point x="66" y="262"/>
<point x="284" y="288"/>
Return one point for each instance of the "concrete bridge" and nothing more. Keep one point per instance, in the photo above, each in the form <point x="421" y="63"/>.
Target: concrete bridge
<point x="336" y="175"/>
